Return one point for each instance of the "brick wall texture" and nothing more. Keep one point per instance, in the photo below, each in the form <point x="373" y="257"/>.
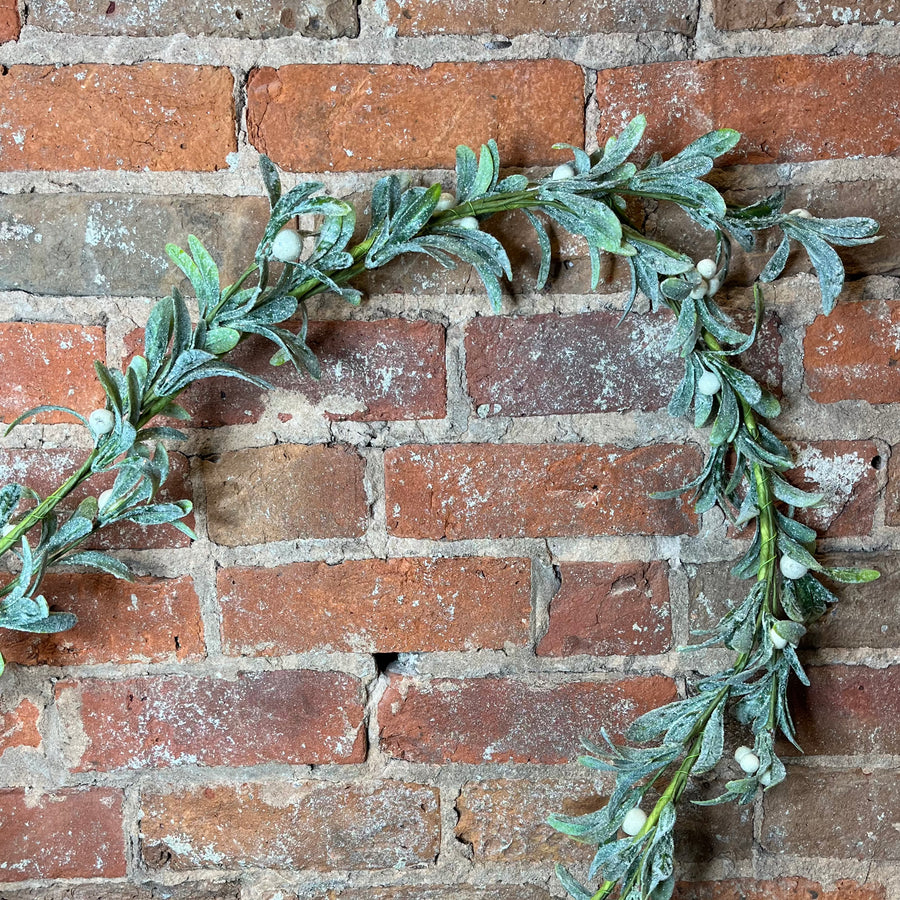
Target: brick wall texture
<point x="421" y="579"/>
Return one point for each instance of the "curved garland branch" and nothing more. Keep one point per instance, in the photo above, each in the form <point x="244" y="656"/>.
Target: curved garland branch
<point x="742" y="474"/>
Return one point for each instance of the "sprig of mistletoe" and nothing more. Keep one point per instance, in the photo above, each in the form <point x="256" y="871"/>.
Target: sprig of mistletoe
<point x="742" y="474"/>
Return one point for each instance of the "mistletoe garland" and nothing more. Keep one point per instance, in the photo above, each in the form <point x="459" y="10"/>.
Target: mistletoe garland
<point x="742" y="474"/>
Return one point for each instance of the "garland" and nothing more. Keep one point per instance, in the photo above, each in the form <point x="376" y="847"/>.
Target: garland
<point x="742" y="474"/>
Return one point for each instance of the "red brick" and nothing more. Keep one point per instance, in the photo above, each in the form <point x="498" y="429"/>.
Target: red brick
<point x="892" y="495"/>
<point x="362" y="118"/>
<point x="504" y="820"/>
<point x="843" y="472"/>
<point x="838" y="106"/>
<point x="293" y="717"/>
<point x="609" y="609"/>
<point x="840" y="814"/>
<point x="305" y="825"/>
<point x="119" y="890"/>
<point x="420" y="17"/>
<point x="69" y="833"/>
<point x="780" y="889"/>
<point x="50" y="364"/>
<point x="736" y="15"/>
<point x="283" y="493"/>
<point x="848" y="710"/>
<point x="262" y="19"/>
<point x="425" y="892"/>
<point x="854" y="354"/>
<point x="505" y="720"/>
<point x="19" y="726"/>
<point x="551" y="365"/>
<point x="9" y="21"/>
<point x="150" y="620"/>
<point x="45" y="470"/>
<point x="511" y="490"/>
<point x="151" y="116"/>
<point x="376" y="606"/>
<point x="371" y="371"/>
<point x="113" y="244"/>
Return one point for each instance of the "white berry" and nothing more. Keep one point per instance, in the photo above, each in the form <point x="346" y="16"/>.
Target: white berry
<point x="709" y="383"/>
<point x="445" y="201"/>
<point x="778" y="642"/>
<point x="801" y="213"/>
<point x="7" y="529"/>
<point x="700" y="291"/>
<point x="714" y="285"/>
<point x="104" y="498"/>
<point x="741" y="752"/>
<point x="706" y="268"/>
<point x="634" y="821"/>
<point x="287" y="246"/>
<point x="749" y="763"/>
<point x="102" y="421"/>
<point x="562" y="172"/>
<point x="766" y="778"/>
<point x="470" y="223"/>
<point x="792" y="569"/>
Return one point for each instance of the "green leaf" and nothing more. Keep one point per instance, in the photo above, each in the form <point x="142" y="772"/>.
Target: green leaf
<point x="826" y="262"/>
<point x="544" y="244"/>
<point x="775" y="266"/>
<point x="96" y="560"/>
<point x="713" y="741"/>
<point x="158" y="333"/>
<point x="852" y="575"/>
<point x="37" y="410"/>
<point x="270" y="178"/>
<point x="220" y="340"/>
<point x="713" y="144"/>
<point x="572" y="887"/>
<point x="208" y="288"/>
<point x="618" y="149"/>
<point x="727" y="419"/>
<point x="9" y="500"/>
<point x="466" y="170"/>
<point x="791" y="495"/>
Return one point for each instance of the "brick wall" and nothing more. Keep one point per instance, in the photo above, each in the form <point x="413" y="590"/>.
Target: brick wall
<point x="466" y="491"/>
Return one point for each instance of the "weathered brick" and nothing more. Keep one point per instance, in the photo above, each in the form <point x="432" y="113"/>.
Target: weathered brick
<point x="318" y="18"/>
<point x="429" y="892"/>
<point x="864" y="617"/>
<point x="45" y="470"/>
<point x="118" y="890"/>
<point x="294" y="717"/>
<point x="705" y="833"/>
<point x="839" y="814"/>
<point x="376" y="606"/>
<point x="849" y="105"/>
<point x="854" y="354"/>
<point x="285" y="492"/>
<point x="780" y="889"/>
<point x="47" y="835"/>
<point x="19" y="725"/>
<point x="9" y="21"/>
<point x="550" y="364"/>
<point x="843" y="472"/>
<point x="305" y="825"/>
<point x="149" y="620"/>
<point x="847" y="710"/>
<point x="509" y="490"/>
<point x="152" y="116"/>
<point x="734" y="15"/>
<point x="609" y="608"/>
<point x="389" y="369"/>
<point x="363" y="118"/>
<point x="892" y="495"/>
<point x="420" y="17"/>
<point x="504" y="820"/>
<point x="506" y="720"/>
<point x="88" y="244"/>
<point x="50" y="363"/>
